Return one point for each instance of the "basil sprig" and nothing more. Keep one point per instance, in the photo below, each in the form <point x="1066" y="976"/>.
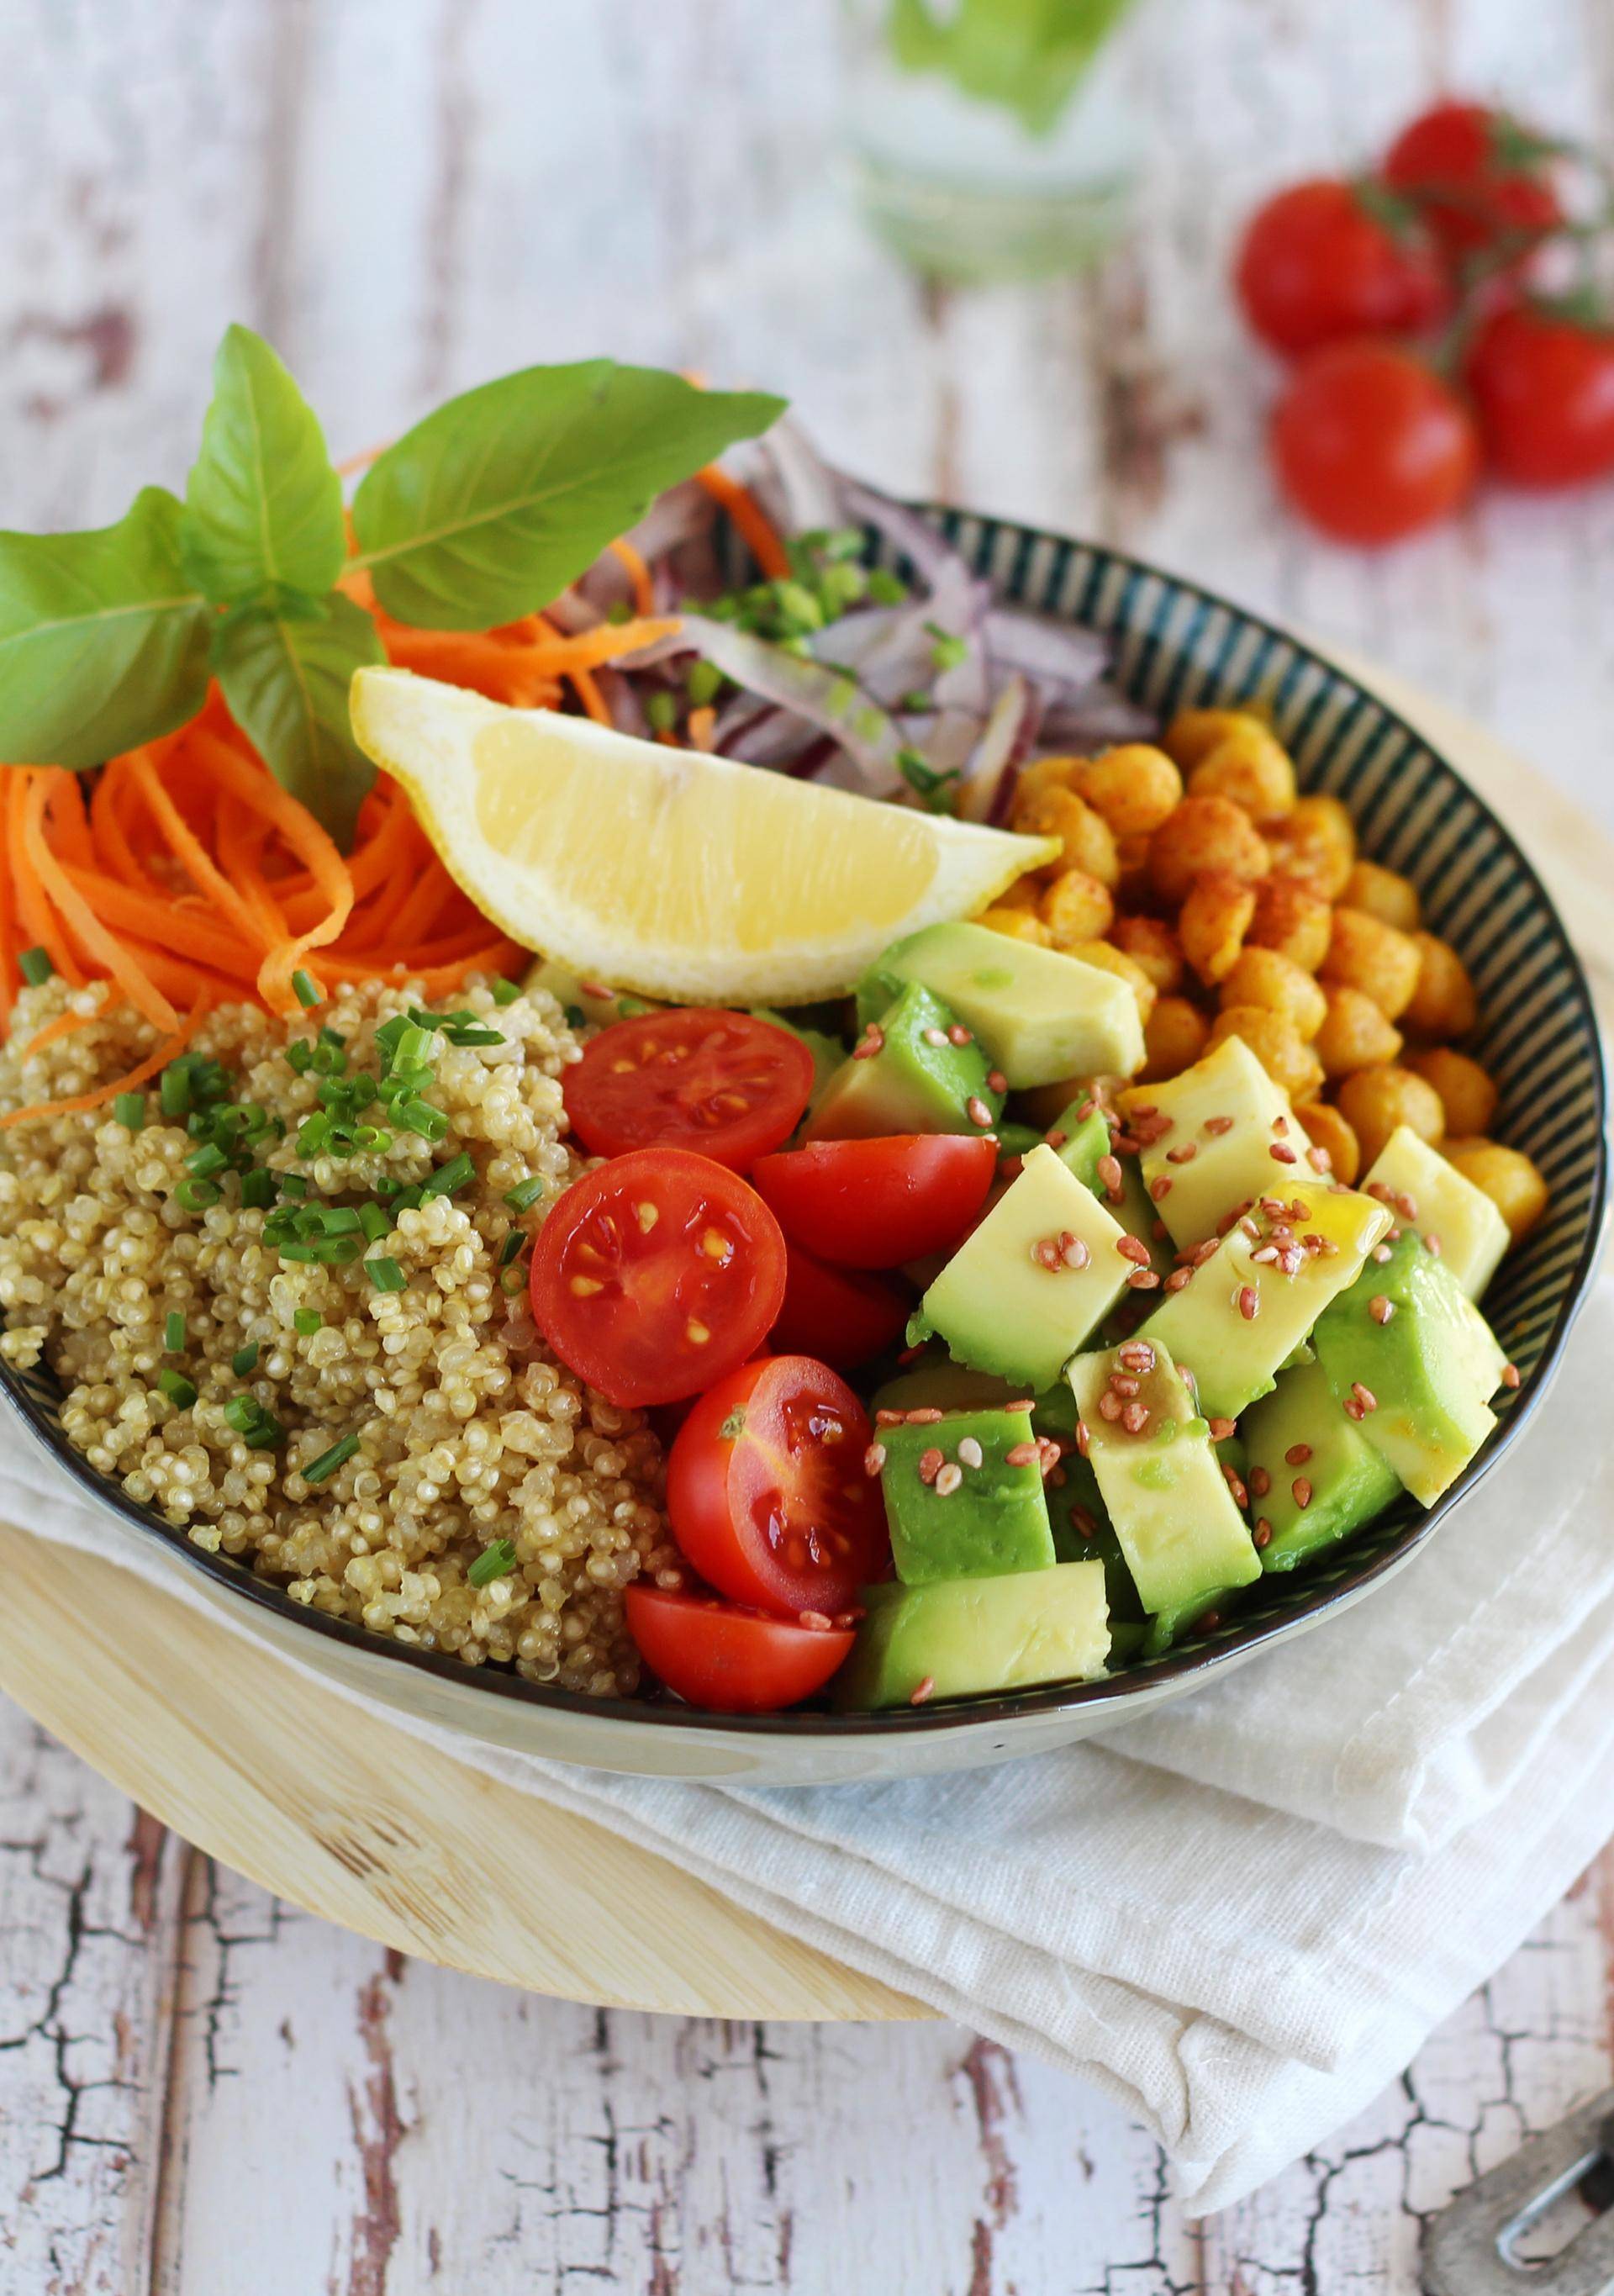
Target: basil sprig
<point x="481" y="514"/>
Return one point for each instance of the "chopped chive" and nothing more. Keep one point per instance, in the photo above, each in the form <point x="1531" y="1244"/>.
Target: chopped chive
<point x="661" y="712"/>
<point x="308" y="990"/>
<point x="418" y="1116"/>
<point x="449" y="1178"/>
<point x="258" y="1190"/>
<point x="299" y="1053"/>
<point x="511" y="1280"/>
<point x="129" y="1111"/>
<point x="329" y="1035"/>
<point x="340" y="1219"/>
<point x="299" y="1254"/>
<point x="173" y="1331"/>
<point x="370" y="1139"/>
<point x="177" y="1388"/>
<point x="242" y="1412"/>
<point x="35" y="966"/>
<point x="196" y="1195"/>
<point x="312" y="1134"/>
<point x="265" y="1433"/>
<point x="174" y="1090"/>
<point x="495" y="1561"/>
<point x="468" y="1033"/>
<point x="511" y="1245"/>
<point x="505" y="992"/>
<point x="320" y="1470"/>
<point x="407" y="1199"/>
<point x="374" y="1221"/>
<point x="306" y="1322"/>
<point x="885" y="588"/>
<point x="385" y="1273"/>
<point x="243" y="1363"/>
<point x="336" y="1250"/>
<point x="525" y="1193"/>
<point x="704" y="683"/>
<point x="206" y="1161"/>
<point x="413" y="1045"/>
<point x="949" y="653"/>
<point x="292" y="1184"/>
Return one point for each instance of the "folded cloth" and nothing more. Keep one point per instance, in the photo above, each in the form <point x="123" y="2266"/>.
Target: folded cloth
<point x="1242" y="1916"/>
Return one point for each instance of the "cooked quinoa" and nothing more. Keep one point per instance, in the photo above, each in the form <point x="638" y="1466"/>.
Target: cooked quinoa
<point x="468" y="1431"/>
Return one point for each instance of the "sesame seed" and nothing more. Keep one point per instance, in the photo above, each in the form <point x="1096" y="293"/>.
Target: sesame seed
<point x="1221" y="1429"/>
<point x="1134" y="1418"/>
<point x="1380" y="1252"/>
<point x="815" y="1621"/>
<point x="1109" y="1172"/>
<point x="873" y="1042"/>
<point x="1132" y="1247"/>
<point x="1509" y="1374"/>
<point x="1184" y="1154"/>
<point x="1123" y="1382"/>
<point x="1249" y="1302"/>
<point x="979" y="1113"/>
<point x="1082" y="1523"/>
<point x="935" y="1036"/>
<point x="1020" y="1454"/>
<point x="925" y="1415"/>
<point x="930" y="1464"/>
<point x="1320" y="1160"/>
<point x="1201" y="1252"/>
<point x="1281" y="1152"/>
<point x="959" y="1035"/>
<point x="1240" y="1496"/>
<point x="970" y="1452"/>
<point x="1280" y="1125"/>
<point x="1262" y="1531"/>
<point x="1056" y="1139"/>
<point x="873" y="1459"/>
<point x="1159" y="1188"/>
<point x="947" y="1479"/>
<point x="1364" y="1395"/>
<point x="884" y="1418"/>
<point x="1137" y="1355"/>
<point x="1218" y="1125"/>
<point x="1297" y="1455"/>
<point x="1380" y="1308"/>
<point x="1431" y="1242"/>
<point x="1353" y="1409"/>
<point x="1179" y="1279"/>
<point x="1072" y="1251"/>
<point x="1267" y="1255"/>
<point x="923" y="1691"/>
<point x="1260" y="1482"/>
<point x="1110" y="1405"/>
<point x="1302" y="1492"/>
<point x="996" y="1081"/>
<point x="1144" y="1279"/>
<point x="1088" y="1108"/>
<point x="1083" y="1437"/>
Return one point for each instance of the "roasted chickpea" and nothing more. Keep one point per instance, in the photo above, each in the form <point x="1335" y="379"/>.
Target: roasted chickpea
<point x="1024" y="893"/>
<point x="1206" y="836"/>
<point x="1292" y="920"/>
<point x="1110" y="959"/>
<point x="1385" y="894"/>
<point x="1152" y="943"/>
<point x="1251" y="767"/>
<point x="1443" y="1004"/>
<point x="1279" y="1046"/>
<point x="1075" y="906"/>
<point x="1133" y="787"/>
<point x="1017" y="925"/>
<point x="1173" y="1035"/>
<point x="1467" y="1092"/>
<point x="1212" y="923"/>
<point x="1042" y="773"/>
<point x="1354" y="1034"/>
<point x="1327" y="1129"/>
<point x="1193" y="733"/>
<point x="1317" y="844"/>
<point x="1085" y="835"/>
<point x="1263" y="977"/>
<point x="1364" y="953"/>
<point x="1374" y="1101"/>
<point x="1507" y="1177"/>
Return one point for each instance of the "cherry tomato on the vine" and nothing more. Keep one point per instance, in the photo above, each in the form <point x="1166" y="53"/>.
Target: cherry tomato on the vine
<point x="735" y="1660"/>
<point x="1456" y="159"/>
<point x="1371" y="445"/>
<point x="1328" y="259"/>
<point x="722" y="1084"/>
<point x="1542" y="384"/>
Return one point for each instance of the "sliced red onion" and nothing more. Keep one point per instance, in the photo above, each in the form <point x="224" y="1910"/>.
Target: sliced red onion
<point x="826" y="698"/>
<point x="1059" y="655"/>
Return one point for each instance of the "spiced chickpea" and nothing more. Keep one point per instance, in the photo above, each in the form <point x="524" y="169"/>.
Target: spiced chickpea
<point x="1044" y="774"/>
<point x="1316" y="842"/>
<point x="1364" y="953"/>
<point x="1204" y="836"/>
<point x="1354" y="1034"/>
<point x="1276" y="1043"/>
<point x="1110" y="959"/>
<point x="1505" y="1175"/>
<point x="1251" y="767"/>
<point x="1024" y="893"/>
<point x="1212" y="923"/>
<point x="1075" y="906"/>
<point x="1261" y="976"/>
<point x="1374" y="1101"/>
<point x="1193" y="733"/>
<point x="1385" y="894"/>
<point x="1467" y="1093"/>
<point x="1174" y="1035"/>
<point x="1327" y="1129"/>
<point x="1152" y="943"/>
<point x="1443" y="1004"/>
<point x="1085" y="836"/>
<point x="1293" y="920"/>
<point x="1017" y="925"/>
<point x="1134" y="787"/>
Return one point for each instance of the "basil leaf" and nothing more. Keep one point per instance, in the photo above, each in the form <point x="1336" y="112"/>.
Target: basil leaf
<point x="264" y="505"/>
<point x="103" y="643"/>
<point x="286" y="679"/>
<point x="489" y="508"/>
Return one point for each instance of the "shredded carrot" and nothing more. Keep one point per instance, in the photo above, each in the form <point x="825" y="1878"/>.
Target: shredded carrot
<point x="67" y="1024"/>
<point x="102" y="947"/>
<point x="103" y="1093"/>
<point x="588" y="693"/>
<point x="748" y="514"/>
<point x="638" y="574"/>
<point x="40" y="927"/>
<point x="702" y="724"/>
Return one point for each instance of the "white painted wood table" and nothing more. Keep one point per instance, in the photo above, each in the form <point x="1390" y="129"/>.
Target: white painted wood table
<point x="203" y="2091"/>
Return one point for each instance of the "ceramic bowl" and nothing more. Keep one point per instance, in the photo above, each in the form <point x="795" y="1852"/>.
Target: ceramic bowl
<point x="1175" y="644"/>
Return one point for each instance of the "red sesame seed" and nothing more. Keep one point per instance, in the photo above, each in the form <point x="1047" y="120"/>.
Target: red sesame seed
<point x="1302" y="1491"/>
<point x="873" y="1458"/>
<point x="1380" y="1252"/>
<point x="1364" y="1395"/>
<point x="1020" y="1454"/>
<point x="1109" y="1172"/>
<point x="1221" y="1429"/>
<point x="1110" y="1405"/>
<point x="1134" y="1418"/>
<point x="1431" y="1242"/>
<point x="1218" y="1125"/>
<point x="1509" y="1374"/>
<point x="1123" y="1382"/>
<point x="1260" y="1482"/>
<point x="817" y="1622"/>
<point x="924" y="1415"/>
<point x="1072" y="1251"/>
<point x="1280" y="1125"/>
<point x="1201" y="1252"/>
<point x="1087" y="1108"/>
<point x="1320" y="1160"/>
<point x="1056" y="1139"/>
<point x="1144" y="1279"/>
<point x="1380" y="1308"/>
<point x="884" y="1418"/>
<point x="852" y="1617"/>
<point x="1297" y="1455"/>
<point x="1240" y="1496"/>
<point x="1249" y="1302"/>
<point x="930" y="1464"/>
<point x="1262" y="1531"/>
<point x="1132" y="1247"/>
<point x="1159" y="1188"/>
<point x="1082" y="1522"/>
<point x="923" y="1691"/>
<point x="1137" y="1355"/>
<point x="873" y="1042"/>
<point x="1179" y="1278"/>
<point x="959" y="1035"/>
<point x="1083" y="1437"/>
<point x="979" y="1113"/>
<point x="996" y="1081"/>
<point x="1353" y="1409"/>
<point x="1281" y="1152"/>
<point x="1185" y="1154"/>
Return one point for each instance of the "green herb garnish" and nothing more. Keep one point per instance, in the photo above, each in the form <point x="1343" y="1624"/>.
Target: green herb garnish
<point x="129" y="1111"/>
<point x="36" y="967"/>
<point x="173" y="1331"/>
<point x="385" y="1273"/>
<point x="525" y="1193"/>
<point x="321" y="1470"/>
<point x="495" y="1561"/>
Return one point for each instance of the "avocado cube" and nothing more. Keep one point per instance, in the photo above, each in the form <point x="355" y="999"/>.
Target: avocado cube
<point x="1218" y="1136"/>
<point x="907" y="1075"/>
<point x="963" y="1498"/>
<point x="1039" y="1015"/>
<point x="964" y="1637"/>
<point x="1418" y="1361"/>
<point x="938" y="1383"/>
<point x="1455" y="1218"/>
<point x="1316" y="1478"/>
<point x="1077" y="1513"/>
<point x="1242" y="1314"/>
<point x="1079" y="1136"/>
<point x="1184" y="1538"/>
<point x="1025" y="1288"/>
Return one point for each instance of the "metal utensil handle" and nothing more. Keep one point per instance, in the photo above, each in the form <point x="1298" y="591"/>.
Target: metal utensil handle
<point x="1467" y="2248"/>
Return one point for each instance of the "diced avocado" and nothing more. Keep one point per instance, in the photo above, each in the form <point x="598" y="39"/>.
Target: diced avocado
<point x="908" y="1076"/>
<point x="583" y="999"/>
<point x="1079" y="1137"/>
<point x="1016" y="1139"/>
<point x="1080" y="1520"/>
<point x="1242" y="1314"/>
<point x="1025" y="1288"/>
<point x="1219" y="1135"/>
<point x="977" y="1512"/>
<point x="1421" y="1374"/>
<point x="1082" y="1138"/>
<point x="965" y="1636"/>
<point x="1304" y="1353"/>
<point x="1038" y="1015"/>
<point x="1333" y="1469"/>
<point x="940" y="1384"/>
<point x="1184" y="1538"/>
<point x="1445" y="1208"/>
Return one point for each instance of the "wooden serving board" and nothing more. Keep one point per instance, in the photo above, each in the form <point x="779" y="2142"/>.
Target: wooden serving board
<point x="342" y="1812"/>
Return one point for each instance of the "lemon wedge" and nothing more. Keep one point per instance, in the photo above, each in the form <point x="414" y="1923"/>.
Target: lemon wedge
<point x="667" y="871"/>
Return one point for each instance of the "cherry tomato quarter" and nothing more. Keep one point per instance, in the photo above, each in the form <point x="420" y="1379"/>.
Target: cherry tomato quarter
<point x="1317" y="263"/>
<point x="1543" y="389"/>
<point x="768" y="1491"/>
<point x="732" y="1660"/>
<point x="843" y="1315"/>
<point x="723" y="1085"/>
<point x="876" y="1203"/>
<point x="1455" y="161"/>
<point x="1370" y="445"/>
<point x="656" y="1274"/>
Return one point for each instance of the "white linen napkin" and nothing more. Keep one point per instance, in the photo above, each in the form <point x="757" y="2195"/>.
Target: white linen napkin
<point x="1241" y="1916"/>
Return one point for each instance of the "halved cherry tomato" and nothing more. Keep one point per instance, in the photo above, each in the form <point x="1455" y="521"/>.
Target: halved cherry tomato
<point x="1456" y="161"/>
<point x="720" y="1084"/>
<point x="839" y="1315"/>
<point x="736" y="1661"/>
<point x="874" y="1203"/>
<point x="656" y="1274"/>
<point x="1318" y="261"/>
<point x="767" y="1492"/>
